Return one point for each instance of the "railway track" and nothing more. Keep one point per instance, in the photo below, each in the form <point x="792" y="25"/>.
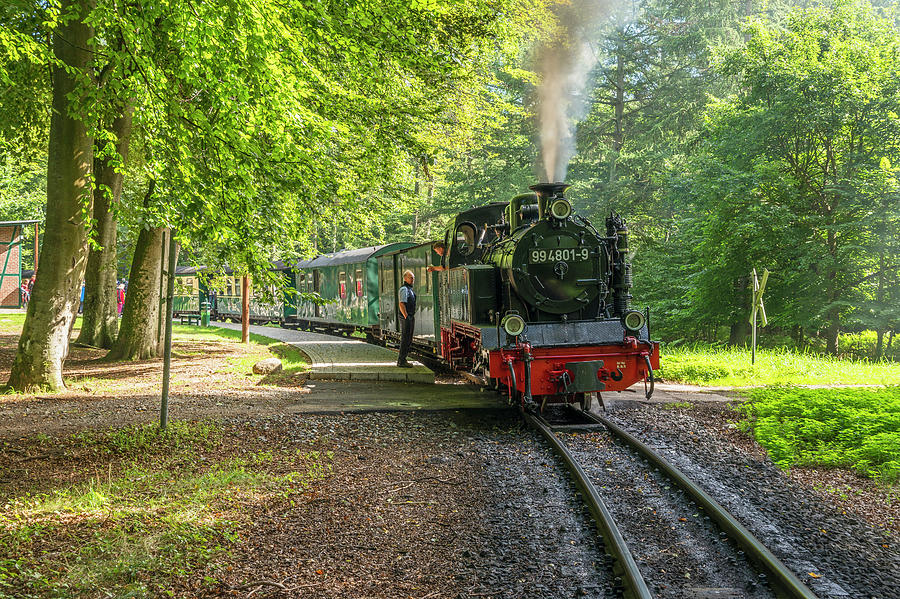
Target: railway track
<point x="774" y="579"/>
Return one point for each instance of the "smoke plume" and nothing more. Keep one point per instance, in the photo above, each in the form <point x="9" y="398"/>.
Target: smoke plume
<point x="564" y="63"/>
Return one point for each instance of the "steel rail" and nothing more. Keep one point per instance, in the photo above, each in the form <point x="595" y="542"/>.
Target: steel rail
<point x="636" y="587"/>
<point x="743" y="537"/>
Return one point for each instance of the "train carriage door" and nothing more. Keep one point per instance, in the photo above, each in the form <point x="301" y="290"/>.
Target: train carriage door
<point x="317" y="282"/>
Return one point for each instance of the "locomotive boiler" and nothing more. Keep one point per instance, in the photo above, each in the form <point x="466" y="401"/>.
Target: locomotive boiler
<point x="537" y="301"/>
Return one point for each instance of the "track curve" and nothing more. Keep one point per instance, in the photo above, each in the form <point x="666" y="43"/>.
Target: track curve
<point x="785" y="582"/>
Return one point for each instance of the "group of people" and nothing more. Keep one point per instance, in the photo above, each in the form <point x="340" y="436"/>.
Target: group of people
<point x="27" y="286"/>
<point x="120" y="297"/>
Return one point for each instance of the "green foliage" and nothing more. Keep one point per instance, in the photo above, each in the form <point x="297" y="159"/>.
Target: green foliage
<point x="706" y="365"/>
<point x="300" y="127"/>
<point x="846" y="428"/>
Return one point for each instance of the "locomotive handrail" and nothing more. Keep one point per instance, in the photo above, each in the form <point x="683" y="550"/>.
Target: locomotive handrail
<point x="649" y="393"/>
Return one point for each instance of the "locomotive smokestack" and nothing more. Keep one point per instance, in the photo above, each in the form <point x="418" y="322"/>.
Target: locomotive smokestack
<point x="547" y="192"/>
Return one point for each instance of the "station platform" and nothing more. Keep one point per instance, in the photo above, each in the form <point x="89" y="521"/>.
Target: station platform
<point x="343" y="359"/>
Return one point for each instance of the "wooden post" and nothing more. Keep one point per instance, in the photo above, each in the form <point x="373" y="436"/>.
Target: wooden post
<point x="245" y="309"/>
<point x="35" y="247"/>
<point x="167" y="355"/>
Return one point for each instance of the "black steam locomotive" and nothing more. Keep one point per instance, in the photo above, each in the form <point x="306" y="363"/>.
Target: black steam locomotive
<point x="538" y="301"/>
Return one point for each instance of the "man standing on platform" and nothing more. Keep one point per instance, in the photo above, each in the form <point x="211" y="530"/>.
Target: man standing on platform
<point x="407" y="305"/>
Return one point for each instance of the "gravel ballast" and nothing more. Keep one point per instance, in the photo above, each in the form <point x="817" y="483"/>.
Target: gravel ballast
<point x="834" y="552"/>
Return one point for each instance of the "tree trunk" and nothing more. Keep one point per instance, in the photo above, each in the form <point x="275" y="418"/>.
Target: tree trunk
<point x="44" y="343"/>
<point x="833" y="315"/>
<point x="100" y="321"/>
<point x="797" y="336"/>
<point x="139" y="331"/>
<point x="737" y="334"/>
<point x="879" y="298"/>
<point x="740" y="324"/>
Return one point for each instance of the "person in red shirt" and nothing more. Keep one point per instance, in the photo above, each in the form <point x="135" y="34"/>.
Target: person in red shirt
<point x="120" y="297"/>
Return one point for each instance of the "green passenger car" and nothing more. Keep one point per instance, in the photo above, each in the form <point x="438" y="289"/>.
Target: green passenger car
<point x="348" y="284"/>
<point x="190" y="291"/>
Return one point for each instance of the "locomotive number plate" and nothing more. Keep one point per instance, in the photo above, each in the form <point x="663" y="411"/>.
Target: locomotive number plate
<point x="539" y="256"/>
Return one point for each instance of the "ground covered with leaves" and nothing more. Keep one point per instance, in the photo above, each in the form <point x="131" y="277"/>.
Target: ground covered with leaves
<point x="418" y="505"/>
<point x="212" y="376"/>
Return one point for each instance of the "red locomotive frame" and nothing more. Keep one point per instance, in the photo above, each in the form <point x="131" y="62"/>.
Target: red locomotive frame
<point x="624" y="364"/>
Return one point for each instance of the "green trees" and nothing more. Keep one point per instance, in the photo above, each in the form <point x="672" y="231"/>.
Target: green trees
<point x="815" y="126"/>
<point x="733" y="136"/>
<point x="250" y="119"/>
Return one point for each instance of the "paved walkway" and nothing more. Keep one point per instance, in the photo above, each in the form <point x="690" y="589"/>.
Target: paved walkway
<point x="343" y="359"/>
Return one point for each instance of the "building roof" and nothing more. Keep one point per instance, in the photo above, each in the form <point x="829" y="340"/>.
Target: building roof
<point x="10" y="223"/>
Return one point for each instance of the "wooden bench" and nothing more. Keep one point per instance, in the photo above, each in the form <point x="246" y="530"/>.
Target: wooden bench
<point x="190" y="319"/>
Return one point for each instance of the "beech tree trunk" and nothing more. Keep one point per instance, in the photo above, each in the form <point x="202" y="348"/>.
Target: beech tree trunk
<point x="139" y="330"/>
<point x="44" y="343"/>
<point x="100" y="321"/>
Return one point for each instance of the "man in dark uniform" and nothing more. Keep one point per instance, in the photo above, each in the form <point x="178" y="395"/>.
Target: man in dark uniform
<point x="441" y="250"/>
<point x="407" y="305"/>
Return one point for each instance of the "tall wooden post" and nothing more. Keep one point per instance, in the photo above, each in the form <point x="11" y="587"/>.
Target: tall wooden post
<point x="245" y="309"/>
<point x="167" y="356"/>
<point x="35" y="247"/>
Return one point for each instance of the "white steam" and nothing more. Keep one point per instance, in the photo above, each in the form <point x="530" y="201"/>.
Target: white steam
<point x="564" y="64"/>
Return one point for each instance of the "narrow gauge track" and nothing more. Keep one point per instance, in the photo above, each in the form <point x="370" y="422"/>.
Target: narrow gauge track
<point x="782" y="582"/>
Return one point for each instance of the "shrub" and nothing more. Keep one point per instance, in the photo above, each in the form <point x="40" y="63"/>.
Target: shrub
<point x="852" y="428"/>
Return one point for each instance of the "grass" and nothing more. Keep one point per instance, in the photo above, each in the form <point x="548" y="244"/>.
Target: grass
<point x="293" y="361"/>
<point x="165" y="507"/>
<point x="724" y="366"/>
<point x="848" y="428"/>
<point x="12" y="322"/>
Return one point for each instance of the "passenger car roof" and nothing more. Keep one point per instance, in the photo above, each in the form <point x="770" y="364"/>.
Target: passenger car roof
<point x="353" y="256"/>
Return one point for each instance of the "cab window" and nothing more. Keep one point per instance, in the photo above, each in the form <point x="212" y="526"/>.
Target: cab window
<point x="465" y="239"/>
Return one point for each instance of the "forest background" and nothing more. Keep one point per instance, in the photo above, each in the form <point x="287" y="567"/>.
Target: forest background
<point x="731" y="136"/>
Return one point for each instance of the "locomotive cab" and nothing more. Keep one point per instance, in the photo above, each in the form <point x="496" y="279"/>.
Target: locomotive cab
<point x="472" y="231"/>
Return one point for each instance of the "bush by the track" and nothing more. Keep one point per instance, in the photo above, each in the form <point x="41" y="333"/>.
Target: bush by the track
<point x="855" y="428"/>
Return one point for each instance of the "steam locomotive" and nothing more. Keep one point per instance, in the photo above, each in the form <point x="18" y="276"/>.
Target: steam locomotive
<point x="527" y="297"/>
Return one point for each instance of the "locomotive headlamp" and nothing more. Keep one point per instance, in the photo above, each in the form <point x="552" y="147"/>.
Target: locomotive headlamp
<point x="513" y="324"/>
<point x="634" y="320"/>
<point x="561" y="209"/>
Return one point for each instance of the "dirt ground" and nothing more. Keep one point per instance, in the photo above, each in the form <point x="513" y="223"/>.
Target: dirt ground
<point x="210" y="379"/>
<point x="385" y="523"/>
